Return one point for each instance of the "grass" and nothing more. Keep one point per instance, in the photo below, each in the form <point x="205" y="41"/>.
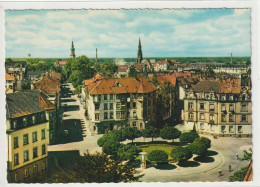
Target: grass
<point x="165" y="147"/>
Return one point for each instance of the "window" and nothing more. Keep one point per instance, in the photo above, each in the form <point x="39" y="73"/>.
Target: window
<point x="97" y="117"/>
<point x="111" y="115"/>
<point x="190" y="105"/>
<point x="16" y="142"/>
<point x="223" y="107"/>
<point x="105" y="115"/>
<point x="111" y="97"/>
<point x="105" y="97"/>
<point x="16" y="178"/>
<point x="117" y="115"/>
<point x="141" y="125"/>
<point x="191" y="116"/>
<point x="243" y="98"/>
<point x="202" y="117"/>
<point x="231" y="97"/>
<point x="223" y="128"/>
<point x="211" y="96"/>
<point x="99" y="98"/>
<point x="51" y="135"/>
<point x="34" y="135"/>
<point x="14" y="124"/>
<point x="134" y="114"/>
<point x="231" y="107"/>
<point x="211" y="107"/>
<point x="202" y="106"/>
<point x="25" y="121"/>
<point x="43" y="134"/>
<point x="16" y="159"/>
<point x="111" y="106"/>
<point x="118" y="106"/>
<point x="239" y="129"/>
<point x="105" y="106"/>
<point x="25" y="139"/>
<point x="244" y="107"/>
<point x="43" y="149"/>
<point x="35" y="169"/>
<point x="223" y="117"/>
<point x="231" y="128"/>
<point x="123" y="115"/>
<point x="231" y="118"/>
<point x="33" y="119"/>
<point x="211" y="117"/>
<point x="35" y="152"/>
<point x="134" y="95"/>
<point x="97" y="106"/>
<point x="26" y="155"/>
<point x="202" y="126"/>
<point x="134" y="124"/>
<point x="223" y="97"/>
<point x="134" y="104"/>
<point x="243" y="118"/>
<point x="117" y="96"/>
<point x="26" y="173"/>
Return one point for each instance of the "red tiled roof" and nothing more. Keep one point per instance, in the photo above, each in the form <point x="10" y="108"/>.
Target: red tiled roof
<point x="56" y="75"/>
<point x="9" y="77"/>
<point x="121" y="85"/>
<point x="161" y="63"/>
<point x="47" y="85"/>
<point x="181" y="74"/>
<point x="230" y="86"/>
<point x="139" y="67"/>
<point x="161" y="79"/>
<point x="62" y="63"/>
<point x="96" y="77"/>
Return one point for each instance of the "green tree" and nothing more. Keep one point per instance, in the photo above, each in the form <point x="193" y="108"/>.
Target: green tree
<point x="247" y="155"/>
<point x="181" y="154"/>
<point x="170" y="133"/>
<point x="132" y="71"/>
<point x="109" y="68"/>
<point x="131" y="133"/>
<point x="205" y="140"/>
<point x="150" y="132"/>
<point x="209" y="72"/>
<point x="199" y="148"/>
<point x="117" y="135"/>
<point x="188" y="137"/>
<point x="127" y="152"/>
<point x="101" y="141"/>
<point x="76" y="78"/>
<point x="239" y="175"/>
<point x="98" y="168"/>
<point x="111" y="147"/>
<point x="158" y="156"/>
<point x="8" y="60"/>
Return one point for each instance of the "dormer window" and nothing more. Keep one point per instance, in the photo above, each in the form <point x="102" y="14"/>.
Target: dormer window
<point x="25" y="121"/>
<point x="231" y="97"/>
<point x="34" y="119"/>
<point x="117" y="83"/>
<point x="14" y="124"/>
<point x="243" y="97"/>
<point x="223" y="97"/>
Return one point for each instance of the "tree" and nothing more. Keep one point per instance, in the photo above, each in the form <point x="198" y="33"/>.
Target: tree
<point x="76" y="78"/>
<point x="117" y="135"/>
<point x="199" y="148"/>
<point x="181" y="154"/>
<point x="151" y="132"/>
<point x="205" y="140"/>
<point x="101" y="141"/>
<point x="209" y="72"/>
<point x="111" y="147"/>
<point x="99" y="168"/>
<point x="247" y="155"/>
<point x="158" y="156"/>
<point x="132" y="71"/>
<point x="131" y="133"/>
<point x="239" y="175"/>
<point x="109" y="68"/>
<point x="188" y="137"/>
<point x="8" y="60"/>
<point x="170" y="133"/>
<point x="127" y="152"/>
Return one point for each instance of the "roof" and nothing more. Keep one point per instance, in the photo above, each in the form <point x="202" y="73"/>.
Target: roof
<point x="62" y="62"/>
<point x="36" y="72"/>
<point x="161" y="63"/>
<point x="122" y="68"/>
<point x="121" y="85"/>
<point x="56" y="75"/>
<point x="9" y="77"/>
<point x="96" y="77"/>
<point x="249" y="173"/>
<point x="161" y="79"/>
<point x="48" y="85"/>
<point x="219" y="86"/>
<point x="139" y="67"/>
<point x="26" y="102"/>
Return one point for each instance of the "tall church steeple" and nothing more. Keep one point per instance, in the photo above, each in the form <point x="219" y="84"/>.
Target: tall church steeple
<point x="139" y="53"/>
<point x="72" y="51"/>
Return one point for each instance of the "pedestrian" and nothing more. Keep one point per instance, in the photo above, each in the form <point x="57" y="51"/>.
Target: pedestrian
<point x="219" y="173"/>
<point x="237" y="156"/>
<point x="229" y="168"/>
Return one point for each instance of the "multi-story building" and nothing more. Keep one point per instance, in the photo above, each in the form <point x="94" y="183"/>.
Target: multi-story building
<point x="115" y="103"/>
<point x="161" y="65"/>
<point x="28" y="116"/>
<point x="10" y="83"/>
<point x="219" y="107"/>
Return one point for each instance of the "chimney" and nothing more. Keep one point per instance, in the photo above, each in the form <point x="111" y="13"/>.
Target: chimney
<point x="96" y="55"/>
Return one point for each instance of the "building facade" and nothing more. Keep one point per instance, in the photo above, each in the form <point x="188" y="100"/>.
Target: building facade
<point x="219" y="107"/>
<point x="116" y="103"/>
<point x="28" y="114"/>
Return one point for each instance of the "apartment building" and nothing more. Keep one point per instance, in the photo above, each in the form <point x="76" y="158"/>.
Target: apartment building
<point x="115" y="103"/>
<point x="28" y="116"/>
<point x="219" y="107"/>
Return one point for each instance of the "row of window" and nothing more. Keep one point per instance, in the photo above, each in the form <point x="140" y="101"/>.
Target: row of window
<point x="223" y="128"/>
<point x="212" y="107"/>
<point x="119" y="115"/>
<point x="222" y="97"/>
<point x="110" y="106"/>
<point x="26" y="138"/>
<point x="26" y="154"/>
<point x="223" y="117"/>
<point x="29" y="120"/>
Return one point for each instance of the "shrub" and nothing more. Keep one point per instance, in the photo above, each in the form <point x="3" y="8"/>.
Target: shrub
<point x="158" y="156"/>
<point x="127" y="152"/>
<point x="239" y="175"/>
<point x="150" y="132"/>
<point x="205" y="140"/>
<point x="170" y="133"/>
<point x="181" y="153"/>
<point x="188" y="137"/>
<point x="117" y="135"/>
<point x="131" y="133"/>
<point x="111" y="147"/>
<point x="102" y="140"/>
<point x="199" y="148"/>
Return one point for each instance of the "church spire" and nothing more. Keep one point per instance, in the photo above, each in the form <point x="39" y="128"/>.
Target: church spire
<point x="139" y="53"/>
<point x="72" y="51"/>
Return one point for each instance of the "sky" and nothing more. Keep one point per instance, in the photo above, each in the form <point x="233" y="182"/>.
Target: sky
<point x="115" y="33"/>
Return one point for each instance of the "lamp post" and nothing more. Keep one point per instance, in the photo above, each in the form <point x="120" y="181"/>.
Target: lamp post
<point x="143" y="159"/>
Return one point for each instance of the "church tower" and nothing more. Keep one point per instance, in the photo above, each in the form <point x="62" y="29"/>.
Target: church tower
<point x="139" y="53"/>
<point x="72" y="51"/>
